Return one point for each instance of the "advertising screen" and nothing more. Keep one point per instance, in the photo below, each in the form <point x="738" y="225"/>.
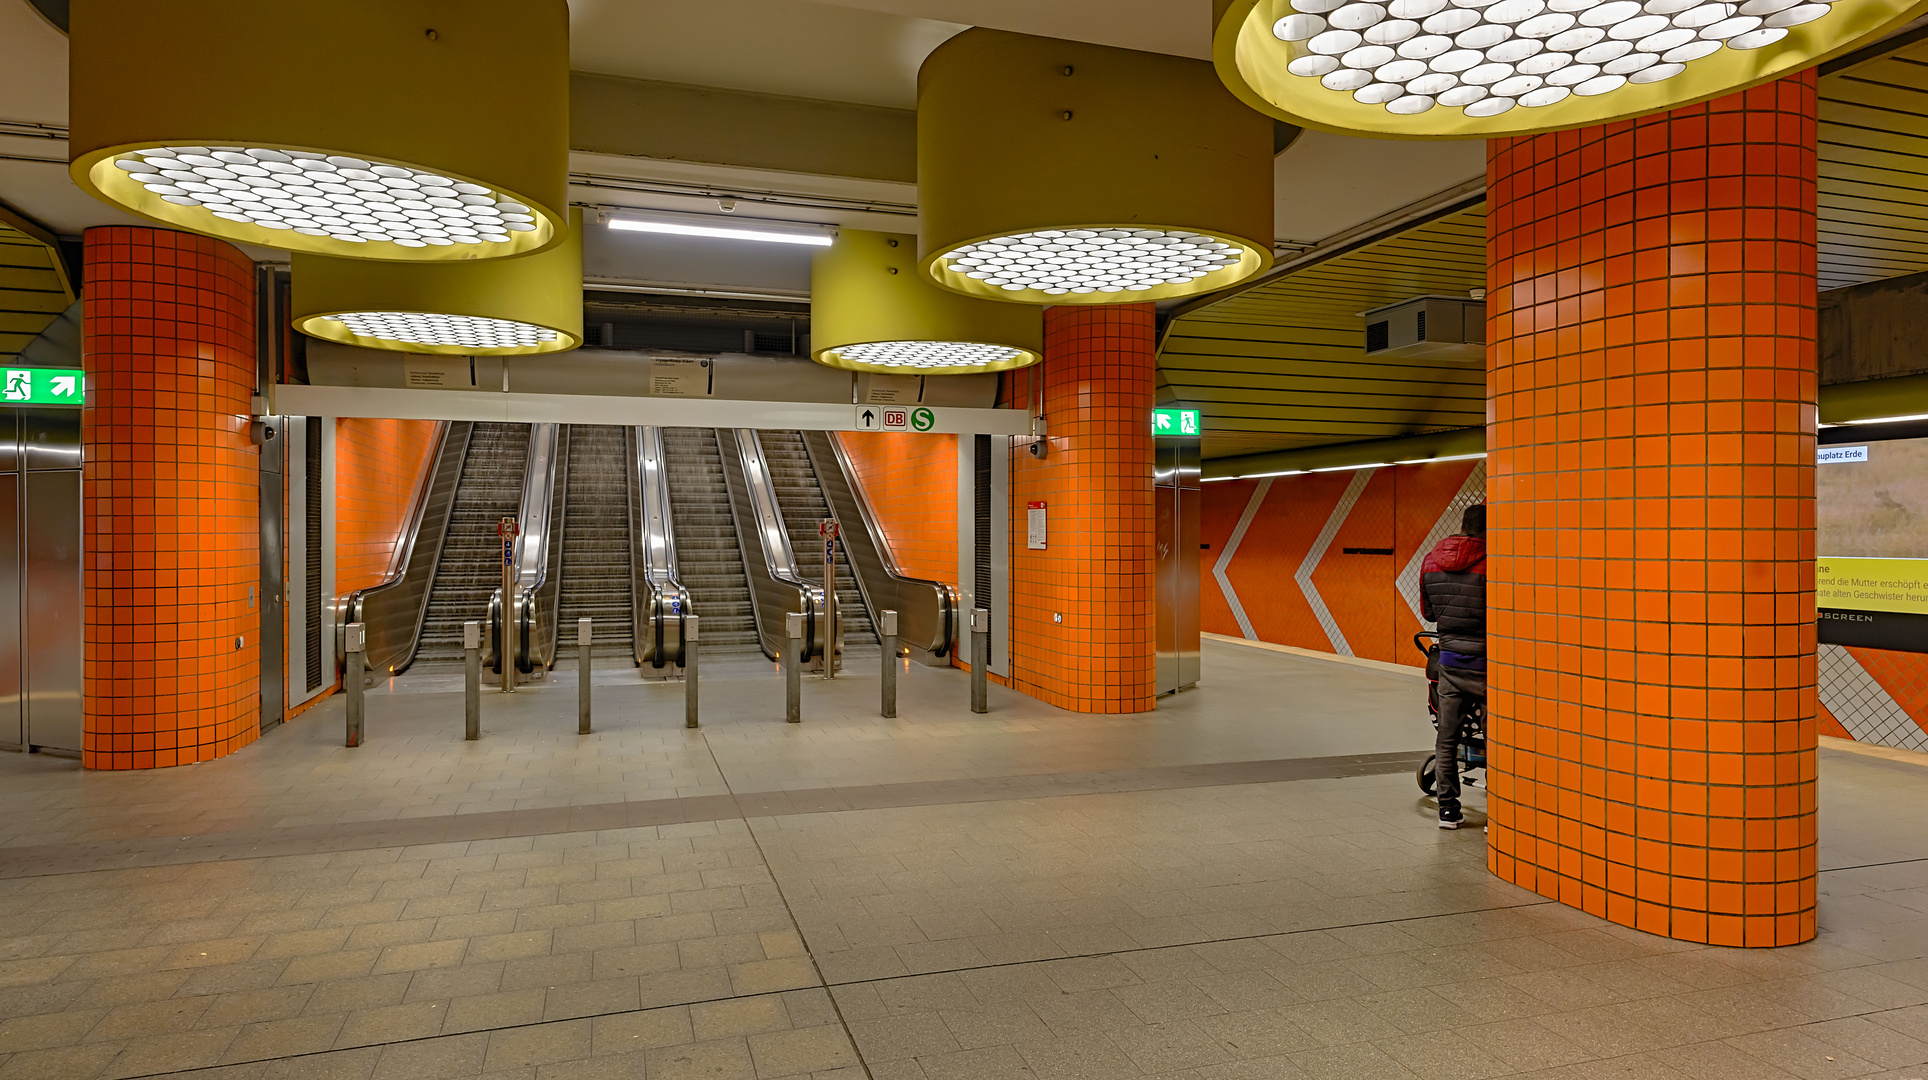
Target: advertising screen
<point x="1871" y="543"/>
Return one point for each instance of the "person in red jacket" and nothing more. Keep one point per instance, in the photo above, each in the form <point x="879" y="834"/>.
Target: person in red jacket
<point x="1452" y="595"/>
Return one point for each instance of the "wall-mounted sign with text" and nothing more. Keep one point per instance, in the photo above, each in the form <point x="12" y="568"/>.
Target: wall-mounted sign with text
<point x="42" y="386"/>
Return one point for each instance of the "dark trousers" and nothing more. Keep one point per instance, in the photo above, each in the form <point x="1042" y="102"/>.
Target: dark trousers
<point x="1458" y="693"/>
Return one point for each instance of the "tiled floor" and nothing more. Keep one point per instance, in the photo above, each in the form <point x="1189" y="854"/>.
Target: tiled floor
<point x="1224" y="889"/>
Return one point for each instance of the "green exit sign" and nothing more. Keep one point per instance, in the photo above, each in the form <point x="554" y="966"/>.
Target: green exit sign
<point x="41" y="386"/>
<point x="1177" y="423"/>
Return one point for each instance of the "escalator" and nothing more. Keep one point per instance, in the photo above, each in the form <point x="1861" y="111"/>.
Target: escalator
<point x="596" y="544"/>
<point x="469" y="570"/>
<point x="708" y="558"/>
<point x="800" y="497"/>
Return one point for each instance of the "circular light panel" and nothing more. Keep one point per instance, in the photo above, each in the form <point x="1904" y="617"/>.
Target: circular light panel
<point x="1096" y="264"/>
<point x="1478" y="68"/>
<point x="430" y="332"/>
<point x="928" y="357"/>
<point x="332" y="204"/>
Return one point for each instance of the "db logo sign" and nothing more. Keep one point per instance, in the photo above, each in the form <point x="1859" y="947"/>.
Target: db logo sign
<point x="896" y="419"/>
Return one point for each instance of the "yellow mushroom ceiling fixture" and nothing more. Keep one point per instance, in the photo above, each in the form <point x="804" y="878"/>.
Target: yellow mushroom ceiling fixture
<point x="496" y="307"/>
<point x="405" y="130"/>
<point x="871" y="309"/>
<point x="1485" y="68"/>
<point x="1058" y="172"/>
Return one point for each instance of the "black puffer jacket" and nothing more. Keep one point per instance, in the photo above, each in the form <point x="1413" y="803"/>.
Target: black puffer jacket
<point x="1452" y="593"/>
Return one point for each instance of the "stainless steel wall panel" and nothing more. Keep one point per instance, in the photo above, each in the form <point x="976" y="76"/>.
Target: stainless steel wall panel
<point x="51" y="504"/>
<point x="12" y="702"/>
<point x="50" y="438"/>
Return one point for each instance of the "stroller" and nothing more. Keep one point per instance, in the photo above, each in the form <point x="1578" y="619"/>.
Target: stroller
<point x="1472" y="730"/>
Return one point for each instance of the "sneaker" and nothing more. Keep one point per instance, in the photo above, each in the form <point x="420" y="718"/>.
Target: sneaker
<point x="1450" y="819"/>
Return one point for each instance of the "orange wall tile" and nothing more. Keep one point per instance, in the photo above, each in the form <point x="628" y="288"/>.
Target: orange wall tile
<point x="1651" y="524"/>
<point x="1398" y="508"/>
<point x="379" y="466"/>
<point x="910" y="481"/>
<point x="1096" y="482"/>
<point x="170" y="491"/>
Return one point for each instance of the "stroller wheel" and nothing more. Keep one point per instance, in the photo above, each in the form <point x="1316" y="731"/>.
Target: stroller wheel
<point x="1426" y="777"/>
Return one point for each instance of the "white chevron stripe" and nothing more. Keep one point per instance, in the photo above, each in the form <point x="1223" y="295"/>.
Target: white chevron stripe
<point x="1869" y="712"/>
<point x="1224" y="562"/>
<point x="1470" y="492"/>
<point x="1304" y="576"/>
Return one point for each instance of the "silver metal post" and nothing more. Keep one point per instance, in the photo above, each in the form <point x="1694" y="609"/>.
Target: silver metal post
<point x="583" y="636"/>
<point x="472" y="684"/>
<point x="887" y="627"/>
<point x="792" y="667"/>
<point x="505" y="649"/>
<point x="689" y="671"/>
<point x="980" y="660"/>
<point x="353" y="680"/>
<point x="827" y="529"/>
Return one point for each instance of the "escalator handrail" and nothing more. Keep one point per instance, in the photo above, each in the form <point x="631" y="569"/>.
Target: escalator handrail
<point x="392" y="610"/>
<point x="926" y="609"/>
<point x="659" y="599"/>
<point x="767" y="557"/>
<point x="537" y="525"/>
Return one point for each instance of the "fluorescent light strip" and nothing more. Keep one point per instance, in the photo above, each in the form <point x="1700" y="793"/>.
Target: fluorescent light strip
<point x="1881" y="420"/>
<point x="1433" y="460"/>
<point x="759" y="235"/>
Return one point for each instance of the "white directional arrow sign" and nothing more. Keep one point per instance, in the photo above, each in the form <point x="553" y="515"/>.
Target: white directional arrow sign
<point x="65" y="386"/>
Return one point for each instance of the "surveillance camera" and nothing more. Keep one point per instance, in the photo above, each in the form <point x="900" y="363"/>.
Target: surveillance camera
<point x="260" y="432"/>
<point x="1037" y="449"/>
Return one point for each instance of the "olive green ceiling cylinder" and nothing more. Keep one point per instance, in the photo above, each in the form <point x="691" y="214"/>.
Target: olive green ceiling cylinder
<point x="872" y="309"/>
<point x="1112" y="150"/>
<point x="465" y="100"/>
<point x="496" y="307"/>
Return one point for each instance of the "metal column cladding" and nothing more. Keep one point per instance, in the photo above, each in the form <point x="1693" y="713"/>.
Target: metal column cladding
<point x="372" y="109"/>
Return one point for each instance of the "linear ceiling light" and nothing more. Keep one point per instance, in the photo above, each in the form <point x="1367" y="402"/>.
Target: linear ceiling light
<point x="1465" y="68"/>
<point x="439" y="135"/>
<point x="809" y="238"/>
<point x="1059" y="172"/>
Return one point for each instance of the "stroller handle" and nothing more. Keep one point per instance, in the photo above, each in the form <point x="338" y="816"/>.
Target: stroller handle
<point x="1424" y="641"/>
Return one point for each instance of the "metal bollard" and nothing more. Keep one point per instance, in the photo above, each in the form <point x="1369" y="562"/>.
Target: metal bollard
<point x="793" y="667"/>
<point x="584" y="633"/>
<point x="980" y="660"/>
<point x="472" y="684"/>
<point x="887" y="629"/>
<point x="357" y="642"/>
<point x="689" y="671"/>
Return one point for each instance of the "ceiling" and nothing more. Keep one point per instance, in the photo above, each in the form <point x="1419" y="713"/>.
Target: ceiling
<point x="1874" y="169"/>
<point x="821" y="51"/>
<point x="33" y="288"/>
<point x="1283" y="365"/>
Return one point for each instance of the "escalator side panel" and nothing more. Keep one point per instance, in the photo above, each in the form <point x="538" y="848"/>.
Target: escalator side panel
<point x="392" y="612"/>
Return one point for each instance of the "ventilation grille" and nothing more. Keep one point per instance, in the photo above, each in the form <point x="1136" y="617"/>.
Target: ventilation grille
<point x="311" y="452"/>
<point x="1422" y="324"/>
<point x="1378" y="336"/>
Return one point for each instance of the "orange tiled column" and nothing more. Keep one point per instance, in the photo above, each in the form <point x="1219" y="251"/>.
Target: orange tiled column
<point x="1652" y="531"/>
<point x="1096" y="482"/>
<point x="170" y="490"/>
